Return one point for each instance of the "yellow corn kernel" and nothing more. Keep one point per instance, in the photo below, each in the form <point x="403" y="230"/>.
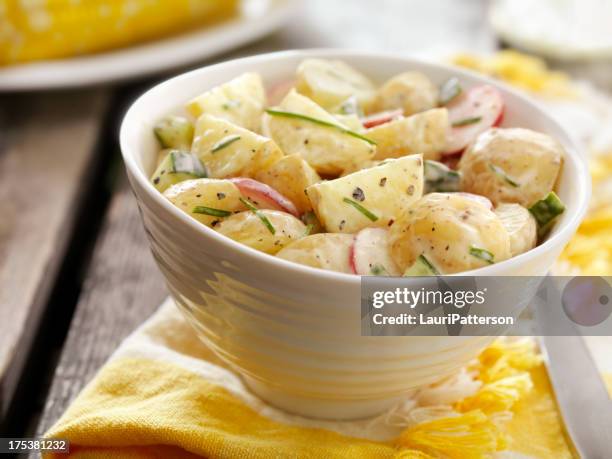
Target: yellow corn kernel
<point x="47" y="29"/>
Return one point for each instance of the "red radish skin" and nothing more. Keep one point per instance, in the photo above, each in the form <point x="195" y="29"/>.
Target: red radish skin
<point x="476" y="197"/>
<point x="483" y="102"/>
<point x="451" y="161"/>
<point x="370" y="248"/>
<point x="377" y="119"/>
<point x="277" y="92"/>
<point x="264" y="196"/>
<point x="352" y="257"/>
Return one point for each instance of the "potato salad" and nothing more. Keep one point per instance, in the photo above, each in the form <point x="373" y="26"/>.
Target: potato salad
<point x="335" y="171"/>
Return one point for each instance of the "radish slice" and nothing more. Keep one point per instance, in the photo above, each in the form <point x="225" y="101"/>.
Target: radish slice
<point x="381" y="118"/>
<point x="476" y="197"/>
<point x="264" y="196"/>
<point x="472" y="113"/>
<point x="370" y="255"/>
<point x="277" y="92"/>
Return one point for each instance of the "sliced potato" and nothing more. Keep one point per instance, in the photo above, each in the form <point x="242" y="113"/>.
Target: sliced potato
<point x="240" y="101"/>
<point x="371" y="197"/>
<point x="350" y="121"/>
<point x="228" y="150"/>
<point x="453" y="232"/>
<point x="328" y="150"/>
<point x="290" y="176"/>
<point x="511" y="165"/>
<point x="411" y="91"/>
<point x="325" y="251"/>
<point x="521" y="226"/>
<point x="249" y="229"/>
<point x="421" y="133"/>
<point x="330" y="83"/>
<point x="207" y="200"/>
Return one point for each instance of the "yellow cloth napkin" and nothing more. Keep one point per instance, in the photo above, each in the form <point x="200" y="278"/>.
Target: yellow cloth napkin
<point x="164" y="394"/>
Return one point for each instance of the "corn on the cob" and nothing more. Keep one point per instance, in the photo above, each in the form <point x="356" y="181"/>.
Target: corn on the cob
<point x="47" y="29"/>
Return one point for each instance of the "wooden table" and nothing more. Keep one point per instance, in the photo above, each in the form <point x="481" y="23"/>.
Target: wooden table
<point x="76" y="275"/>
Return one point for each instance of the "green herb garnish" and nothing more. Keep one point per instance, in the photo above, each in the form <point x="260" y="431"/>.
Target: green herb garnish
<point x="483" y="254"/>
<point x="211" y="211"/>
<point x="467" y="121"/>
<point x="310" y="119"/>
<point x="502" y="174"/>
<point x="259" y="215"/>
<point x="309" y="228"/>
<point x="230" y="139"/>
<point x="546" y="210"/>
<point x="369" y="215"/>
<point x="449" y="90"/>
<point x="377" y="270"/>
<point x="422" y="267"/>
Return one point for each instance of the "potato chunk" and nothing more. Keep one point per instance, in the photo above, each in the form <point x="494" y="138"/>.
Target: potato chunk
<point x="207" y="200"/>
<point x="228" y="150"/>
<point x="325" y="251"/>
<point x="421" y="133"/>
<point x="411" y="91"/>
<point x="330" y="82"/>
<point x="240" y="101"/>
<point x="249" y="229"/>
<point x="371" y="197"/>
<point x="521" y="226"/>
<point x="328" y="150"/>
<point x="511" y="165"/>
<point x="290" y="176"/>
<point x="454" y="233"/>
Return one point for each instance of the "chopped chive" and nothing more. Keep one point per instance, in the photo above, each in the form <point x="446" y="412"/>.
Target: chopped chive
<point x="259" y="215"/>
<point x="449" y="90"/>
<point x="467" y="121"/>
<point x="210" y="211"/>
<point x="422" y="267"/>
<point x="369" y="215"/>
<point x="377" y="270"/>
<point x="309" y="228"/>
<point x="502" y="174"/>
<point x="546" y="210"/>
<point x="230" y="139"/>
<point x="483" y="254"/>
<point x="299" y="116"/>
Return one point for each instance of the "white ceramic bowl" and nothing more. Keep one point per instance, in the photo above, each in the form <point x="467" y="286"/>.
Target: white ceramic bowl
<point x="293" y="332"/>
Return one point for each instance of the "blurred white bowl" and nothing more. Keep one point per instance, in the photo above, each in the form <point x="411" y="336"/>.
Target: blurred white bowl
<point x="293" y="332"/>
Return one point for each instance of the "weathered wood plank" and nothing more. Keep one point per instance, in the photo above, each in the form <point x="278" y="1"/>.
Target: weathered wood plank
<point x="122" y="288"/>
<point x="47" y="150"/>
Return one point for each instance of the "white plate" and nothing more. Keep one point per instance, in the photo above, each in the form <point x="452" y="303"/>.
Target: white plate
<point x="256" y="19"/>
<point x="563" y="30"/>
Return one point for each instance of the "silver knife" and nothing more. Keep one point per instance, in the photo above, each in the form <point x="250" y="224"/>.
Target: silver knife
<point x="581" y="394"/>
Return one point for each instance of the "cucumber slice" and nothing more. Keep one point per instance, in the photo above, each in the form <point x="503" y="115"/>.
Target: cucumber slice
<point x="176" y="167"/>
<point x="174" y="132"/>
<point x="546" y="210"/>
<point x="421" y="267"/>
<point x="449" y="90"/>
<point x="438" y="177"/>
<point x="312" y="223"/>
